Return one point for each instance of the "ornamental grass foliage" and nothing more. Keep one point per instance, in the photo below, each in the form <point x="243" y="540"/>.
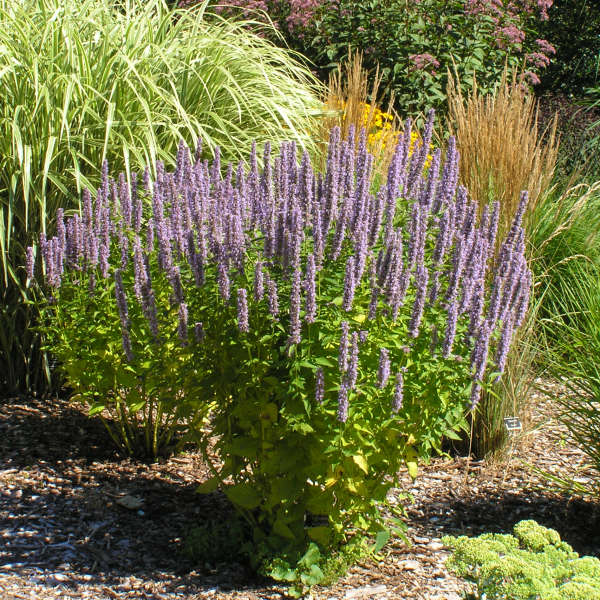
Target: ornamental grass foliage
<point x="332" y="332"/>
<point x="124" y="81"/>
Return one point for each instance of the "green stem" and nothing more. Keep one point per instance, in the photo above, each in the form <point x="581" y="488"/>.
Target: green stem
<point x="159" y="413"/>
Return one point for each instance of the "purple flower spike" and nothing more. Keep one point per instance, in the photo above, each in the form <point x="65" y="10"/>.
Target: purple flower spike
<point x="182" y="328"/>
<point x="373" y="303"/>
<point x="352" y="371"/>
<point x="139" y="268"/>
<point x="504" y="346"/>
<point x="242" y="310"/>
<point x="295" y="303"/>
<point x="475" y="395"/>
<point x="342" y="411"/>
<point x="383" y="373"/>
<point x="30" y="262"/>
<point x="343" y="354"/>
<point x="223" y="280"/>
<point x="319" y="385"/>
<point x="349" y="285"/>
<point x="272" y="298"/>
<point x="311" y="289"/>
<point x="175" y="280"/>
<point x="450" y="329"/>
<point x="479" y="355"/>
<point x="422" y="278"/>
<point x="398" y="393"/>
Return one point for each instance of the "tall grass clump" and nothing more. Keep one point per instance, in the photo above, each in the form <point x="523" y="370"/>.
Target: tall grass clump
<point x="84" y="82"/>
<point x="502" y="153"/>
<point x="502" y="150"/>
<point x="565" y="242"/>
<point x="575" y="359"/>
<point x="351" y="102"/>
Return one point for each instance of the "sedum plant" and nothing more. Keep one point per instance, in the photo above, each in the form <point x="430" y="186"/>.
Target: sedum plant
<point x="534" y="564"/>
<point x="333" y="331"/>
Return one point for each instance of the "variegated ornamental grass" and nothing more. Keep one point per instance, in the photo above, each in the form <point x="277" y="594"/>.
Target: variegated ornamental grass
<point x="125" y="81"/>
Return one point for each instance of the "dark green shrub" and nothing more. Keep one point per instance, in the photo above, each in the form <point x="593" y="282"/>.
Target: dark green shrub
<point x="573" y="29"/>
<point x="416" y="43"/>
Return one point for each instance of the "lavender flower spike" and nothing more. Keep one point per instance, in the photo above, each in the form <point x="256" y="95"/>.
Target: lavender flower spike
<point x="349" y="285"/>
<point x="450" y="329"/>
<point x="319" y="385"/>
<point x="383" y="373"/>
<point x="342" y="411"/>
<point x="352" y="371"/>
<point x="343" y="355"/>
<point x="503" y="346"/>
<point x="272" y="298"/>
<point x="311" y="289"/>
<point x="30" y="262"/>
<point x="422" y="278"/>
<point x="295" y="302"/>
<point x="242" y="310"/>
<point x="398" y="393"/>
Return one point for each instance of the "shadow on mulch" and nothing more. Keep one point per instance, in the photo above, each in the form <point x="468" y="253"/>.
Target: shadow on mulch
<point x="61" y="480"/>
<point x="576" y="520"/>
<point x="60" y="487"/>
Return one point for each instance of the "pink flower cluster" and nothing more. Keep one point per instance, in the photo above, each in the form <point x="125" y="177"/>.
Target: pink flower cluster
<point x="423" y="61"/>
<point x="299" y="12"/>
<point x="508" y="17"/>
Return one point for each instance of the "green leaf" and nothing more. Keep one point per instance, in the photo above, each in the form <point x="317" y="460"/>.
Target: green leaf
<point x="325" y="362"/>
<point x="95" y="409"/>
<point x="313" y="577"/>
<point x="283" y="573"/>
<point x="410" y="459"/>
<point x="320" y="534"/>
<point x="381" y="539"/>
<point x="361" y="463"/>
<point x="243" y="495"/>
<point x="209" y="486"/>
<point x="311" y="556"/>
<point x="280" y="528"/>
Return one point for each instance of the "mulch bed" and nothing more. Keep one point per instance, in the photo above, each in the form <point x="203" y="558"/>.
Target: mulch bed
<point x="66" y="534"/>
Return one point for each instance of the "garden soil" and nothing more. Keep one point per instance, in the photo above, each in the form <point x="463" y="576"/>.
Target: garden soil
<point x="78" y="521"/>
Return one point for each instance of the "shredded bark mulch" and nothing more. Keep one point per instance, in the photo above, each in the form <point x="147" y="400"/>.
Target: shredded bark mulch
<point x="79" y="521"/>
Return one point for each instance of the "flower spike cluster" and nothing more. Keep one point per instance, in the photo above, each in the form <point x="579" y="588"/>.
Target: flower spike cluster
<point x="263" y="237"/>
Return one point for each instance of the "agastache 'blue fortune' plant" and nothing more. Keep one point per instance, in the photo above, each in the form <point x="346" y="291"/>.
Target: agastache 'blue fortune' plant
<point x="339" y="329"/>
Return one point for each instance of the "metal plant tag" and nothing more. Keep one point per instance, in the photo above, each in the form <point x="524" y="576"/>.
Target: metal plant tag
<point x="512" y="424"/>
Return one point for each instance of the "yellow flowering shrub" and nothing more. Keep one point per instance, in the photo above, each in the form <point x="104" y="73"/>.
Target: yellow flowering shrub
<point x="381" y="130"/>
